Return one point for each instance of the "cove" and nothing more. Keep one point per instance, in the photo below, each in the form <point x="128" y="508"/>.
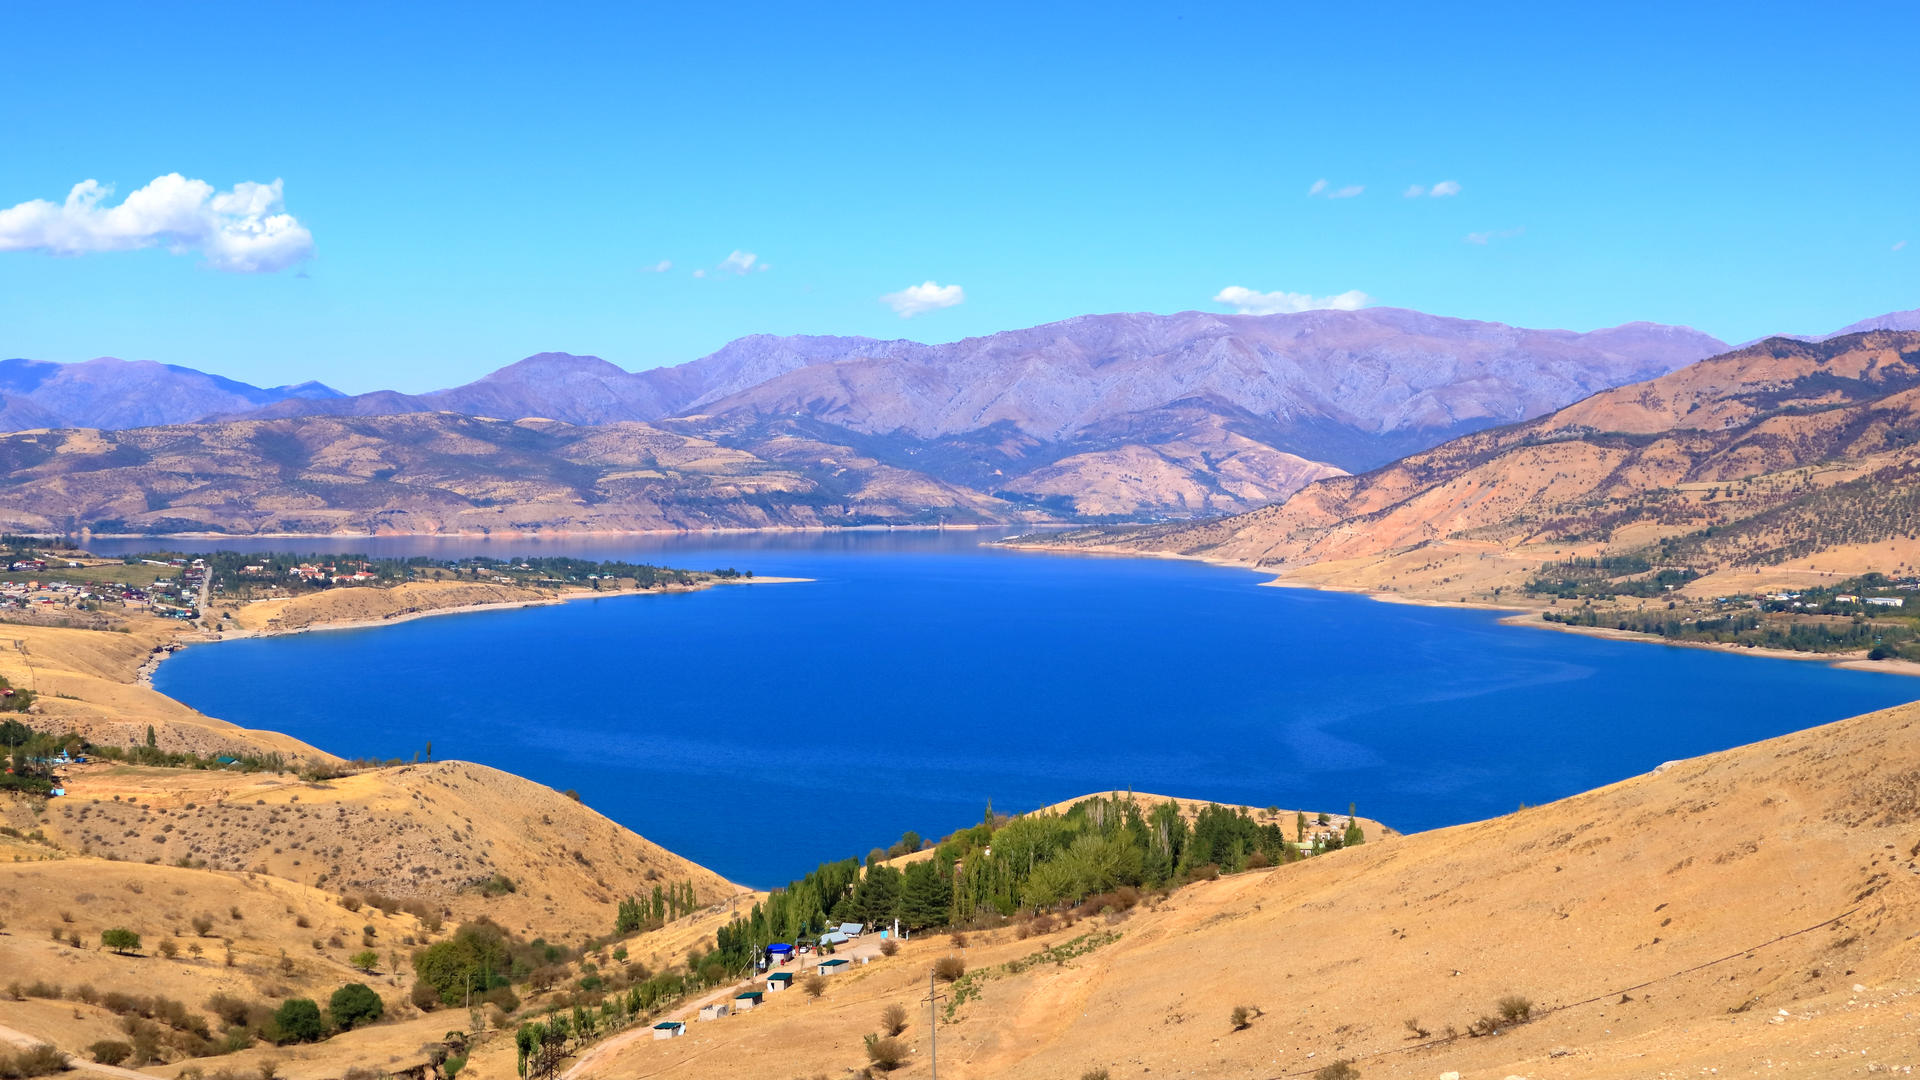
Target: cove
<point x="761" y="729"/>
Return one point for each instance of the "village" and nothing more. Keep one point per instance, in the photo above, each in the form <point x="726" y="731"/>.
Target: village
<point x="37" y="583"/>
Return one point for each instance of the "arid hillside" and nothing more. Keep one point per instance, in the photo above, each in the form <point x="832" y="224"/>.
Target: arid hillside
<point x="1752" y="912"/>
<point x="436" y="472"/>
<point x="88" y="682"/>
<point x="287" y="874"/>
<point x="449" y="834"/>
<point x="1762" y="456"/>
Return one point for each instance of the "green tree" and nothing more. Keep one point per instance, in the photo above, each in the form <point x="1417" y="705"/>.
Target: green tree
<point x="151" y="741"/>
<point x="366" y="960"/>
<point x="297" y="1020"/>
<point x="354" y="1005"/>
<point x="628" y="917"/>
<point x="476" y="959"/>
<point x="120" y="940"/>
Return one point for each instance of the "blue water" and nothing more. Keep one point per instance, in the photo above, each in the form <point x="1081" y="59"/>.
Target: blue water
<point x="761" y="729"/>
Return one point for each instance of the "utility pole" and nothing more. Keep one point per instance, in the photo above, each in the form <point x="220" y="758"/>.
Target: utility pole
<point x="933" y="1029"/>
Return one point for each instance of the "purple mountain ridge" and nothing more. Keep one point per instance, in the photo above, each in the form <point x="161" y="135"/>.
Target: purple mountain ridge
<point x="1352" y="387"/>
<point x="112" y="393"/>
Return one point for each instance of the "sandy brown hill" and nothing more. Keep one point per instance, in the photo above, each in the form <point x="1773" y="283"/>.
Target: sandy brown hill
<point x="358" y="606"/>
<point x="441" y="472"/>
<point x="1781" y="449"/>
<point x="88" y="681"/>
<point x="430" y="832"/>
<point x="1752" y="912"/>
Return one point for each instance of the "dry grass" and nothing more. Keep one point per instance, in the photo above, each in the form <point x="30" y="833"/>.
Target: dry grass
<point x="1563" y="905"/>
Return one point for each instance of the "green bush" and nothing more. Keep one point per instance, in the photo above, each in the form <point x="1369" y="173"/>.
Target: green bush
<point x="120" y="940"/>
<point x="297" y="1020"/>
<point x="353" y="1005"/>
<point x="110" y="1052"/>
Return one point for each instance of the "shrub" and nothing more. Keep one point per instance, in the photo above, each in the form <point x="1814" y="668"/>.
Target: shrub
<point x="366" y="960"/>
<point x="1242" y="1017"/>
<point x="958" y="940"/>
<point x="815" y="985"/>
<point x="120" y="940"/>
<point x="1514" y="1009"/>
<point x="1414" y="1030"/>
<point x="231" y="1010"/>
<point x="1096" y="1074"/>
<point x="1339" y="1070"/>
<point x="297" y="1020"/>
<point x="885" y="1054"/>
<point x="41" y="1059"/>
<point x="893" y="1019"/>
<point x="889" y="947"/>
<point x="424" y="997"/>
<point x="949" y="968"/>
<point x="355" y="1004"/>
<point x="351" y="903"/>
<point x="109" y="1052"/>
<point x="202" y="925"/>
<point x="168" y="949"/>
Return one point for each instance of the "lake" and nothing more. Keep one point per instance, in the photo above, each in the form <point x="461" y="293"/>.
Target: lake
<point x="761" y="729"/>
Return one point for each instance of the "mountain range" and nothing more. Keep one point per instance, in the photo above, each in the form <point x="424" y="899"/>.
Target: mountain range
<point x="1783" y="456"/>
<point x="1100" y="416"/>
<point x="112" y="393"/>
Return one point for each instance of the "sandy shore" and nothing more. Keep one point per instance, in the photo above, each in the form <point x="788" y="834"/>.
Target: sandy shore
<point x="567" y="534"/>
<point x="1518" y="614"/>
<point x="145" y="677"/>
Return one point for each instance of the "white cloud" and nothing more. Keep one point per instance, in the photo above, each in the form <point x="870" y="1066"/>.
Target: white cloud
<point x="660" y="267"/>
<point x="244" y="230"/>
<point x="1483" y="238"/>
<point x="920" y="299"/>
<point x="1898" y="244"/>
<point x="1318" y="187"/>
<point x="740" y="262"/>
<point x="1415" y="191"/>
<point x="1347" y="192"/>
<point x="699" y="273"/>
<point x="1248" y="302"/>
<point x="1445" y="188"/>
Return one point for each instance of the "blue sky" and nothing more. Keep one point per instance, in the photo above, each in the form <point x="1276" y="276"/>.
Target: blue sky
<point x="467" y="185"/>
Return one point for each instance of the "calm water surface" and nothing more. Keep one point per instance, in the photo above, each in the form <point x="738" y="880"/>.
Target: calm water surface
<point x="761" y="729"/>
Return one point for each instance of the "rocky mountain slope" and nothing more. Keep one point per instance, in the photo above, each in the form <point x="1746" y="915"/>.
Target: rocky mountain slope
<point x="1752" y="458"/>
<point x="112" y="393"/>
<point x="440" y="472"/>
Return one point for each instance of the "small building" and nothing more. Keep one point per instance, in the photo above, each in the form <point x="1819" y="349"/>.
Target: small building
<point x="1887" y="601"/>
<point x="669" y="1029"/>
<point x="715" y="1011"/>
<point x="745" y="1002"/>
<point x="852" y="929"/>
<point x="780" y="953"/>
<point x="832" y="967"/>
<point x="778" y="981"/>
<point x="834" y="937"/>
